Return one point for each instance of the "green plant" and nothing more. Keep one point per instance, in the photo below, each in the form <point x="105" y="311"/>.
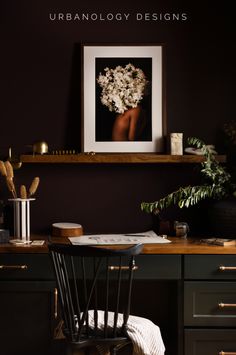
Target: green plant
<point x="229" y="140"/>
<point x="217" y="185"/>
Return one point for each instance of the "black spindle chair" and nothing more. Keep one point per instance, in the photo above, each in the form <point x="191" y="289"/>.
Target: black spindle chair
<point x="91" y="279"/>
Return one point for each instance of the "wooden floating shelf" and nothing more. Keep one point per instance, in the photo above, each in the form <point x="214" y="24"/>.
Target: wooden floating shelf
<point x="139" y="158"/>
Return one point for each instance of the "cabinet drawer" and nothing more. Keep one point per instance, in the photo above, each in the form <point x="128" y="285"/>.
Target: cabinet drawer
<point x="25" y="267"/>
<point x="152" y="267"/>
<point x="38" y="266"/>
<point x="202" y="303"/>
<point x="210" y="267"/>
<point x="210" y="341"/>
<point x="158" y="267"/>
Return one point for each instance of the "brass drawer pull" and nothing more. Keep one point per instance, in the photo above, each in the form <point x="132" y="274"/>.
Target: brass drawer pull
<point x="225" y="305"/>
<point x="55" y="303"/>
<point x="226" y="268"/>
<point x="227" y="353"/>
<point x="13" y="267"/>
<point x="117" y="268"/>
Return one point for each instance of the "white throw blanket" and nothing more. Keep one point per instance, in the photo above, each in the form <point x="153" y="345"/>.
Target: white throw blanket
<point x="144" y="334"/>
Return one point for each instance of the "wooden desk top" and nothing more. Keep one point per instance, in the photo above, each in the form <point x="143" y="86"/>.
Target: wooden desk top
<point x="177" y="246"/>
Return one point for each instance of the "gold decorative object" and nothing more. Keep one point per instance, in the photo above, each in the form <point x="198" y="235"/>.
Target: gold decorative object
<point x="64" y="152"/>
<point x="40" y="147"/>
<point x="15" y="162"/>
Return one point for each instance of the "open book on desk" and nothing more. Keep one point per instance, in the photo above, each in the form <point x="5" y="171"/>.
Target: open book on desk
<point x="149" y="237"/>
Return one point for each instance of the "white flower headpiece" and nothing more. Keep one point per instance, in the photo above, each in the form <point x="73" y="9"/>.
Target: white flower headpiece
<point x="122" y="87"/>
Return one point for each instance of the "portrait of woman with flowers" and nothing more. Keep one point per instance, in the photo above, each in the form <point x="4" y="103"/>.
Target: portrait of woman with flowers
<point x="123" y="101"/>
<point x="123" y="92"/>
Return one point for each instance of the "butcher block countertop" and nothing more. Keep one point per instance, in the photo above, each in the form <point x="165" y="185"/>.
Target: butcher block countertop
<point x="177" y="246"/>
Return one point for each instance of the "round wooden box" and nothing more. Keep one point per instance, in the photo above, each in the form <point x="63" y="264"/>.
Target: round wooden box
<point x="67" y="230"/>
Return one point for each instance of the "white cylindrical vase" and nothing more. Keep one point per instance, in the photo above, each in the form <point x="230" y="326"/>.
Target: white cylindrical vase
<point x="22" y="218"/>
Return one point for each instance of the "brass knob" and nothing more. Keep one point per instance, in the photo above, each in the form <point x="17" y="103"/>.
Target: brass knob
<point x="55" y="303"/>
<point x="226" y="305"/>
<point x="125" y="268"/>
<point x="13" y="267"/>
<point x="227" y="268"/>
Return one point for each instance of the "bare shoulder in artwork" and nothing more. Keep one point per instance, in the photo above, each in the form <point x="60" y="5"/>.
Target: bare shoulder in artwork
<point x="129" y="125"/>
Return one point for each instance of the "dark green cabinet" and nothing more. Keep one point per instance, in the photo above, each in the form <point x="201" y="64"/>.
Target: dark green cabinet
<point x="27" y="310"/>
<point x="180" y="293"/>
<point x="209" y="304"/>
<point x="28" y="304"/>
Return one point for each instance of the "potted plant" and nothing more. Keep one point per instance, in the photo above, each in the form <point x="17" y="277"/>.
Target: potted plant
<point x="217" y="185"/>
<point x="21" y="202"/>
<point x="229" y="138"/>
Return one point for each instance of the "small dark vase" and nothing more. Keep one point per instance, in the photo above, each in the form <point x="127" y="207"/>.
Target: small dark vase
<point x="222" y="218"/>
<point x="162" y="226"/>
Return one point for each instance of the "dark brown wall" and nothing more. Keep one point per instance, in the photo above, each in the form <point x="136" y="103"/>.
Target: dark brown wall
<point x="40" y="99"/>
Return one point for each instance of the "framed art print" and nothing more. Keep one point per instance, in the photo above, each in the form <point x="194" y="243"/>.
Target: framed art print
<point x="123" y="98"/>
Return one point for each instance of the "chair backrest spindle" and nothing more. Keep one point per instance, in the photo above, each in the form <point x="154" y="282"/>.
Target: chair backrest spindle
<point x="95" y="312"/>
<point x="117" y="297"/>
<point x="127" y="311"/>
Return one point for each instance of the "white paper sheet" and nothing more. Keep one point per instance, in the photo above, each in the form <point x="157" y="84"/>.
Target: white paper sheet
<point x="149" y="237"/>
